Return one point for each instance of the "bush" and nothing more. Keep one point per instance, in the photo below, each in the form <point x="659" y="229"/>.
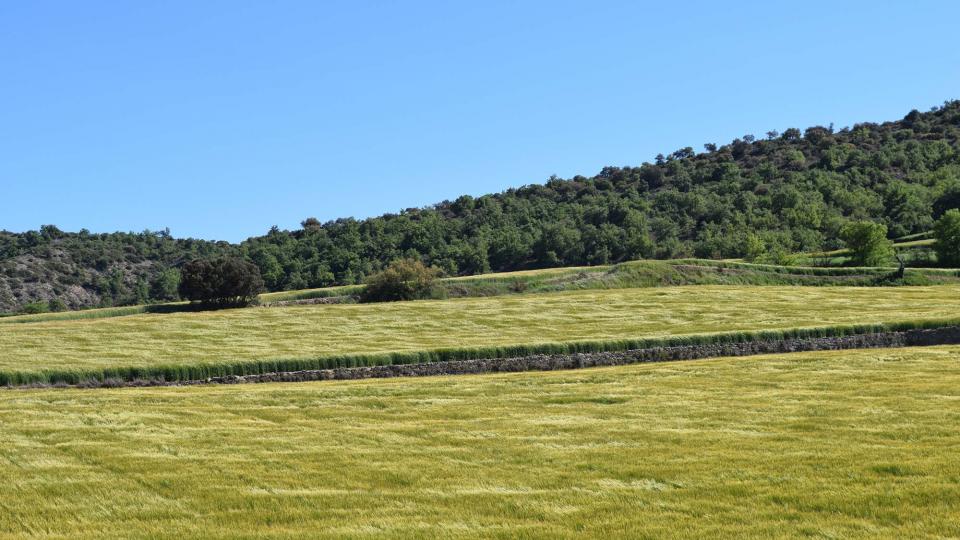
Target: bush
<point x="947" y="234"/>
<point x="222" y="282"/>
<point x="776" y="255"/>
<point x="34" y="308"/>
<point x="404" y="279"/>
<point x="867" y="242"/>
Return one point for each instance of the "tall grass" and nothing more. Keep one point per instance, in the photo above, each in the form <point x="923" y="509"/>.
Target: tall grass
<point x="99" y="313"/>
<point x="192" y="338"/>
<point x="309" y="294"/>
<point x="834" y="444"/>
<point x="202" y="371"/>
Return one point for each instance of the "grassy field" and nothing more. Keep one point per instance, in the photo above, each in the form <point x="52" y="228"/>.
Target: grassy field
<point x="96" y="313"/>
<point x="831" y="445"/>
<point x="231" y="336"/>
<point x="631" y="274"/>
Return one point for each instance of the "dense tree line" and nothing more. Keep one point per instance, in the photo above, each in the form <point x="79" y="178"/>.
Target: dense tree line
<point x="758" y="198"/>
<point x="753" y="198"/>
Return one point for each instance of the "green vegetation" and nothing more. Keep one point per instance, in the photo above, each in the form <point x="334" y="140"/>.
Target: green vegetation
<point x="100" y="313"/>
<point x="85" y="270"/>
<point x="759" y="199"/>
<point x="223" y="281"/>
<point x="844" y="444"/>
<point x="403" y="279"/>
<point x="947" y="238"/>
<point x="188" y="345"/>
<point x="868" y="243"/>
<point x="620" y="276"/>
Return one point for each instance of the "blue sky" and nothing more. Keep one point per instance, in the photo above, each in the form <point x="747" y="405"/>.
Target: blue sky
<point x="218" y="119"/>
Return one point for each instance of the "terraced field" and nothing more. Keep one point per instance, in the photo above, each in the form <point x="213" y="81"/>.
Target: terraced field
<point x="230" y="336"/>
<point x="836" y="445"/>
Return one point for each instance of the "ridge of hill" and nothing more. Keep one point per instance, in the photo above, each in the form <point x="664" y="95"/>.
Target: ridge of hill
<point x="788" y="192"/>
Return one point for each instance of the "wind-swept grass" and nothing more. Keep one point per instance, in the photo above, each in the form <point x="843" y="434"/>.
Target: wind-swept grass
<point x="850" y="444"/>
<point x="187" y="345"/>
<point x="308" y="294"/>
<point x="98" y="313"/>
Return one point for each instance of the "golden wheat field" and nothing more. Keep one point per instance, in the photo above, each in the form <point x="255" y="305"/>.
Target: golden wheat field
<point x="311" y="331"/>
<point x="831" y="445"/>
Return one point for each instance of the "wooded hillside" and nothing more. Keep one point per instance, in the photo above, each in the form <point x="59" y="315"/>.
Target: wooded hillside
<point x="761" y="196"/>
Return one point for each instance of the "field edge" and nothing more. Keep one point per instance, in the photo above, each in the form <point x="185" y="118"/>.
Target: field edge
<point x="540" y="357"/>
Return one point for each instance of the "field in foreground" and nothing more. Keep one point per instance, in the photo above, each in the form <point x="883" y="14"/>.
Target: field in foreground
<point x="835" y="444"/>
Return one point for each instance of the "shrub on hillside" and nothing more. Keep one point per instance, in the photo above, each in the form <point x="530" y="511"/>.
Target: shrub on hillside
<point x="947" y="234"/>
<point x="34" y="308"/>
<point x="867" y="242"/>
<point x="223" y="281"/>
<point x="404" y="279"/>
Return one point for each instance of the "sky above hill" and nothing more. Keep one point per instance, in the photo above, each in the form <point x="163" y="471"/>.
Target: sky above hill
<point x="218" y="119"/>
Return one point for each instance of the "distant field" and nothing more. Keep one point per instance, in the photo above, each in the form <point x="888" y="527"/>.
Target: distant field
<point x="304" y="294"/>
<point x="830" y="445"/>
<point x="311" y="332"/>
<point x="630" y="274"/>
<point x="906" y="245"/>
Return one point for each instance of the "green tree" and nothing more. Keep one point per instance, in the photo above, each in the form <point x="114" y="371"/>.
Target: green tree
<point x="270" y="268"/>
<point x="946" y="231"/>
<point x="224" y="281"/>
<point x="867" y="242"/>
<point x="141" y="291"/>
<point x="949" y="200"/>
<point x="164" y="286"/>
<point x="754" y="248"/>
<point x="311" y="224"/>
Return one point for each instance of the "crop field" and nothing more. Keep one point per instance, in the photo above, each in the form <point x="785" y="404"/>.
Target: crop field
<point x="209" y="338"/>
<point x="318" y="331"/>
<point x="832" y="444"/>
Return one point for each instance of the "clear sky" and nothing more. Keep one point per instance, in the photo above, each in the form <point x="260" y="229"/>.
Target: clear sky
<point x="219" y="119"/>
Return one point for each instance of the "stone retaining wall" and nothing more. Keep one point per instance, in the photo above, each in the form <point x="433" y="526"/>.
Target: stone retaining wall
<point x="909" y="338"/>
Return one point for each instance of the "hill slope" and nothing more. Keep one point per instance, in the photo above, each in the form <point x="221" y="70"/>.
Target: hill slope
<point x="786" y="192"/>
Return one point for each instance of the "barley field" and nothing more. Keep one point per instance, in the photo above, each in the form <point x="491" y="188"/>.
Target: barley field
<point x="207" y="338"/>
<point x="834" y="444"/>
